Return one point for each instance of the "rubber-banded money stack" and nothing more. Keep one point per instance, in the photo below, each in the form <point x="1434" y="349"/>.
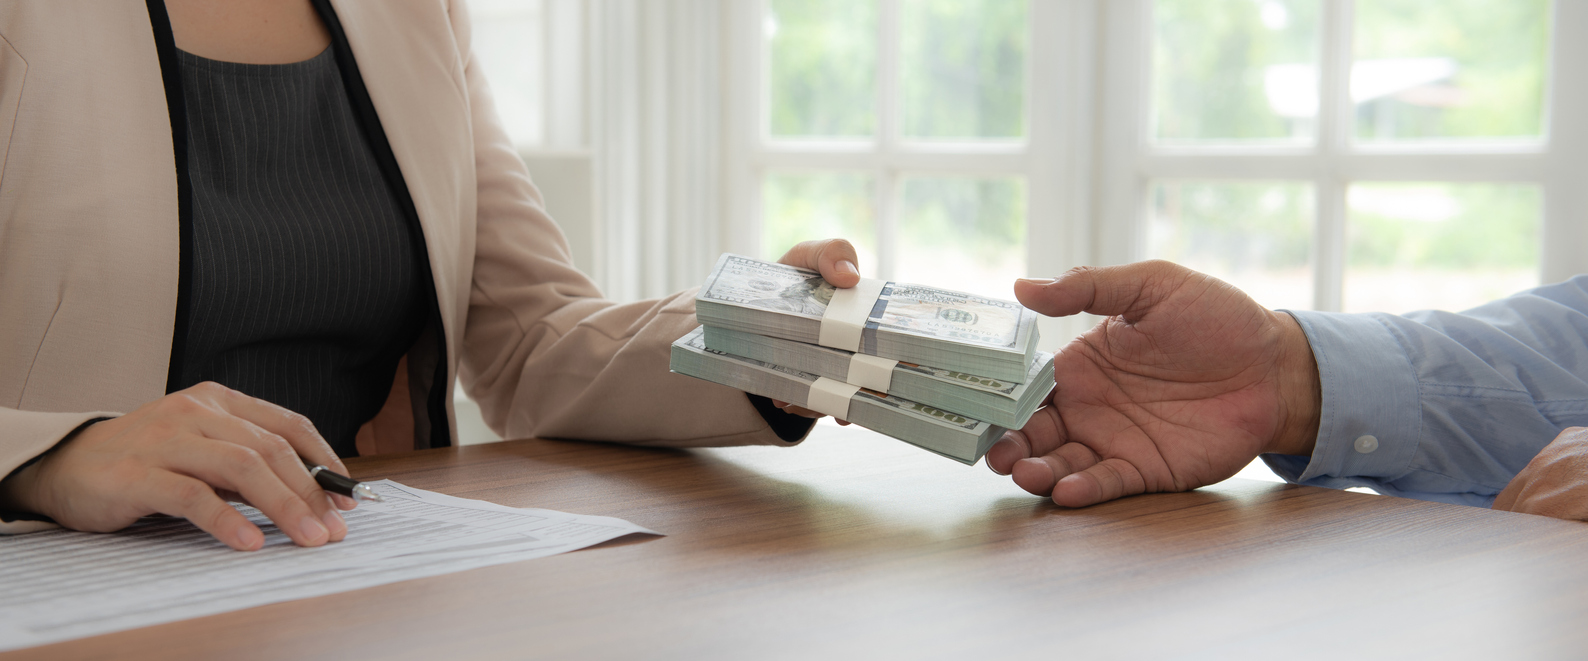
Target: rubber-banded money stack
<point x="943" y="370"/>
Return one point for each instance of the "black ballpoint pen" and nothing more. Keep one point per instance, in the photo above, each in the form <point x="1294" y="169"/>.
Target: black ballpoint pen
<point x="342" y="484"/>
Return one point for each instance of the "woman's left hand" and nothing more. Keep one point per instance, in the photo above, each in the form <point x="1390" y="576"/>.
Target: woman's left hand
<point x="838" y="264"/>
<point x="1555" y="483"/>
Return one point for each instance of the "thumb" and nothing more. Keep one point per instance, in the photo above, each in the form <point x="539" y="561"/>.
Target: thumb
<point x="1129" y="289"/>
<point x="834" y="258"/>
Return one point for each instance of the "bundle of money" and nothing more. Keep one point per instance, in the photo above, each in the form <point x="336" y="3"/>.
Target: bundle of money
<point x="948" y="434"/>
<point x="1003" y="403"/>
<point x="943" y="370"/>
<point x="910" y="323"/>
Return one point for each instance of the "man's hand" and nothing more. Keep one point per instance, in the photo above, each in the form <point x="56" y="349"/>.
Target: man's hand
<point x="1185" y="383"/>
<point x="836" y="260"/>
<point x="184" y="455"/>
<point x="1553" y="484"/>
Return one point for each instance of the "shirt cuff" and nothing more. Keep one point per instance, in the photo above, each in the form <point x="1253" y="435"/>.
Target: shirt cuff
<point x="1372" y="411"/>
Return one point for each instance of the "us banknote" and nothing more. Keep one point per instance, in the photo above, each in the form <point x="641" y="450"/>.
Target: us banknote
<point x="924" y="325"/>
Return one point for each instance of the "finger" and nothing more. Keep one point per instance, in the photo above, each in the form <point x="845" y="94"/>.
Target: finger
<point x="1041" y="473"/>
<point x="1107" y="480"/>
<point x="1103" y="290"/>
<point x="241" y="469"/>
<point x="1045" y="432"/>
<point x="1506" y="501"/>
<point x="284" y="461"/>
<point x="834" y="258"/>
<point x="180" y="495"/>
<point x="1034" y="475"/>
<point x="295" y="428"/>
<point x="1013" y="447"/>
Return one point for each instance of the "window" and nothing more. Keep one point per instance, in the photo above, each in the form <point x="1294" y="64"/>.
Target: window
<point x="1382" y="155"/>
<point x="907" y="126"/>
<point x="1320" y="154"/>
<point x="509" y="44"/>
<point x="1325" y="154"/>
<point x="532" y="53"/>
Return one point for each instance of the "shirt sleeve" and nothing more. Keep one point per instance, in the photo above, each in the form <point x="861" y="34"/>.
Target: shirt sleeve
<point x="1445" y="406"/>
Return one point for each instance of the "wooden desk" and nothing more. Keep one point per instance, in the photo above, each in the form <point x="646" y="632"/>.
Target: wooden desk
<point x="856" y="546"/>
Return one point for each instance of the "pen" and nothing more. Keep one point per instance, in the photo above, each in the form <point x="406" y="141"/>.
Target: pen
<point x="342" y="484"/>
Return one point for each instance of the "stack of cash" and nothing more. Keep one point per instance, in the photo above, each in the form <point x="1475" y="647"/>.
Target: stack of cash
<point x="966" y="366"/>
<point x="954" y="436"/>
<point x="910" y="323"/>
<point x="1003" y="403"/>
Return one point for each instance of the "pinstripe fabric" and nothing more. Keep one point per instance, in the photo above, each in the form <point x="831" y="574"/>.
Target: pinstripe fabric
<point x="305" y="287"/>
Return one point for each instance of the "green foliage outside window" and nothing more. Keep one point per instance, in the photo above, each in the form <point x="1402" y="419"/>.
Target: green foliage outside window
<point x="1472" y="226"/>
<point x="1499" y="48"/>
<point x="822" y="68"/>
<point x="984" y="218"/>
<point x="963" y="67"/>
<point x="1209" y="60"/>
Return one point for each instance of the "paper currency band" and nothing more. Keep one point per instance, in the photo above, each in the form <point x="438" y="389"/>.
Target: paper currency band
<point x="831" y="397"/>
<point x="871" y="372"/>
<point x="846" y="314"/>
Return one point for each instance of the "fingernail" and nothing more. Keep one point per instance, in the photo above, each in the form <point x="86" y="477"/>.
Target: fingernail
<point x="313" y="531"/>
<point x="250" y="538"/>
<point x="846" y="266"/>
<point x="333" y="521"/>
<point x="1039" y="282"/>
<point x="991" y="468"/>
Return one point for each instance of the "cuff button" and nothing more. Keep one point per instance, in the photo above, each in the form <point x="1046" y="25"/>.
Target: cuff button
<point x="1366" y="443"/>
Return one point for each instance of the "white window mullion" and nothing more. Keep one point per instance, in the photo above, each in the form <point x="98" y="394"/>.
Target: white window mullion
<point x="1354" y="166"/>
<point x="938" y="162"/>
<point x="1125" y="54"/>
<point x="746" y="108"/>
<point x="888" y="134"/>
<point x="1334" y="127"/>
<point x="1060" y="87"/>
<point x="1565" y="228"/>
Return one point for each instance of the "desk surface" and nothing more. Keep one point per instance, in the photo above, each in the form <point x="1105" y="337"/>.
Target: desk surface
<point x="853" y="545"/>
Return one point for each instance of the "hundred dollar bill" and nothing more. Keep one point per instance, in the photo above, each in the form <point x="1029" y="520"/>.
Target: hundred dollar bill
<point x="997" y="401"/>
<point x="949" y="434"/>
<point x="912" y="323"/>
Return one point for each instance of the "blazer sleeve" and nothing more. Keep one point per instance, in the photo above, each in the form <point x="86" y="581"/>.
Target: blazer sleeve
<point x="543" y="353"/>
<point x="29" y="434"/>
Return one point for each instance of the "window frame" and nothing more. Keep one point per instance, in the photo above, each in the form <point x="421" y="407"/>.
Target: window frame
<point x="1088" y="160"/>
<point x="1053" y="157"/>
<point x="1128" y="161"/>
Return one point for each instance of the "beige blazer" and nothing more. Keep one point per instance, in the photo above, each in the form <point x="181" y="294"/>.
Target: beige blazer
<point x="90" y="245"/>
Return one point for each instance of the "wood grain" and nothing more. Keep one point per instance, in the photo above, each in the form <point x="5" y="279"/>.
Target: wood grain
<point x="856" y="546"/>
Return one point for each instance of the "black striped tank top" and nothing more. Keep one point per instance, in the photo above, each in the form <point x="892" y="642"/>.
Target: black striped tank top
<point x="304" y="286"/>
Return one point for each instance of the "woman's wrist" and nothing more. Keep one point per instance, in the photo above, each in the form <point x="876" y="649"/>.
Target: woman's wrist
<point x="19" y="490"/>
<point x="16" y="491"/>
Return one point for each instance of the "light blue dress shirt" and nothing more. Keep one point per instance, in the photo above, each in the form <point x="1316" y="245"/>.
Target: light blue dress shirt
<point x="1445" y="406"/>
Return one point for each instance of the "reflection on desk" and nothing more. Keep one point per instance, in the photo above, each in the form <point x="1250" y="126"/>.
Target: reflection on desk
<point x="854" y="545"/>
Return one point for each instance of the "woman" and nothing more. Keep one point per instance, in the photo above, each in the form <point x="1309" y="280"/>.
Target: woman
<point x="313" y="204"/>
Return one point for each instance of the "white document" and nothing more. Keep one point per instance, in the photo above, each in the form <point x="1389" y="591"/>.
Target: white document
<point x="58" y="585"/>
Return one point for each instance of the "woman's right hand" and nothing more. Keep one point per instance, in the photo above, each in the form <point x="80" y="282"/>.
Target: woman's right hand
<point x="183" y="455"/>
